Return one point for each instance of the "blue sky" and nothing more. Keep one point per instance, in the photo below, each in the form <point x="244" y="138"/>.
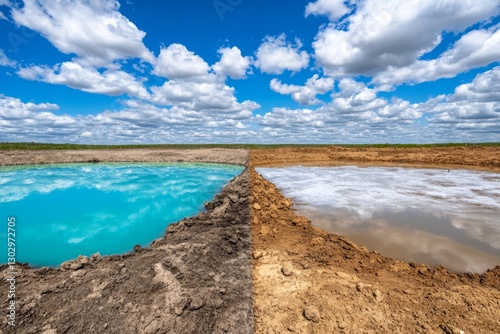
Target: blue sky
<point x="240" y="71"/>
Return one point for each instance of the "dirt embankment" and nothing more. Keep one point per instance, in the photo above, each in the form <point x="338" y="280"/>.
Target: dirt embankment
<point x="472" y="157"/>
<point x="216" y="155"/>
<point x="196" y="279"/>
<point x="310" y="281"/>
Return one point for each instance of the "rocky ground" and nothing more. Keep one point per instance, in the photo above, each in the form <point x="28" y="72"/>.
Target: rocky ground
<point x="196" y="279"/>
<point x="310" y="281"/>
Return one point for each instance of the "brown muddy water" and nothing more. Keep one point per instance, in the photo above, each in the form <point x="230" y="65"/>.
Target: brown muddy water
<point x="431" y="216"/>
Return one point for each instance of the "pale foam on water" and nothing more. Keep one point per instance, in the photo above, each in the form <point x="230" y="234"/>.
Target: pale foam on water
<point x="366" y="200"/>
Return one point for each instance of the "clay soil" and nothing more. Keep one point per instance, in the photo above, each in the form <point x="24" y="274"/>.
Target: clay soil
<point x="310" y="281"/>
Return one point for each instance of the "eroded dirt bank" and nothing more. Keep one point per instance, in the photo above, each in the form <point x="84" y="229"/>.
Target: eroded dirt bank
<point x="216" y="155"/>
<point x="196" y="279"/>
<point x="310" y="281"/>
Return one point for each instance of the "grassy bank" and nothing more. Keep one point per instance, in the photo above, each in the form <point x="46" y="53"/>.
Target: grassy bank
<point x="47" y="146"/>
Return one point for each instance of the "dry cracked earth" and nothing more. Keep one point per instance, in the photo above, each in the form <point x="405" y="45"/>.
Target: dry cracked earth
<point x="250" y="264"/>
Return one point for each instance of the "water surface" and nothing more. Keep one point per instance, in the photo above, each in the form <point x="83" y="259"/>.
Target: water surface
<point x="63" y="211"/>
<point x="424" y="215"/>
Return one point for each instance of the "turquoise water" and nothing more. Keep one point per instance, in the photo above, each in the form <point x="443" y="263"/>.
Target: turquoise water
<point x="63" y="211"/>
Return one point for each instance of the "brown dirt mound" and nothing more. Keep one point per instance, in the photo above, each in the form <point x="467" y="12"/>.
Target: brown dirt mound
<point x="310" y="281"/>
<point x="196" y="279"/>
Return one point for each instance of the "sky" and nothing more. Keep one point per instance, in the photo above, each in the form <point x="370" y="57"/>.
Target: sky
<point x="241" y="71"/>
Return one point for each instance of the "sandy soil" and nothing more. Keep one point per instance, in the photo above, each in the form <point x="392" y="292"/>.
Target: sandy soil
<point x="237" y="157"/>
<point x="196" y="279"/>
<point x="310" y="281"/>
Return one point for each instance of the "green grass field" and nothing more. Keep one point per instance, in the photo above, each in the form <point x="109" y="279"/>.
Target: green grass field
<point x="45" y="146"/>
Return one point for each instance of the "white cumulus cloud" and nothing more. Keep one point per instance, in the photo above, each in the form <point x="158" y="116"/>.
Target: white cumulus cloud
<point x="305" y="95"/>
<point x="208" y="95"/>
<point x="334" y="9"/>
<point x="473" y="107"/>
<point x="484" y="88"/>
<point x="357" y="114"/>
<point x="355" y="97"/>
<point x="93" y="30"/>
<point x="20" y="121"/>
<point x="177" y="62"/>
<point x="393" y="33"/>
<point x="190" y="88"/>
<point x="87" y="79"/>
<point x="137" y="122"/>
<point x="232" y="63"/>
<point x="275" y="55"/>
<point x="475" y="49"/>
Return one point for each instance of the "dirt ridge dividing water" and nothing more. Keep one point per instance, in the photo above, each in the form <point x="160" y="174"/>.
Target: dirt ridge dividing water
<point x="195" y="279"/>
